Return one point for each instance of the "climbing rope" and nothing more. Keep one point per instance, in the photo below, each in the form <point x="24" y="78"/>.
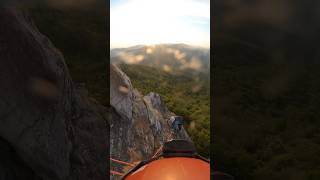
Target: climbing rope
<point x="120" y="162"/>
<point x="116" y="173"/>
<point x="157" y="152"/>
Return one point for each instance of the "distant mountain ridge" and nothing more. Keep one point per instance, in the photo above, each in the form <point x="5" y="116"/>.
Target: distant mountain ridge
<point x="169" y="57"/>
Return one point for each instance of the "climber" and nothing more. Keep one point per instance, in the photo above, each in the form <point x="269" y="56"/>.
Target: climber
<point x="176" y="123"/>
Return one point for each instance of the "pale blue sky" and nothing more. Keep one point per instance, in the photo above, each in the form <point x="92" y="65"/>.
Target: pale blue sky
<point x="135" y="22"/>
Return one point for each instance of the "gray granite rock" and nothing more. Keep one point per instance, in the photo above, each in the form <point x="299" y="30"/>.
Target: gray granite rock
<point x="121" y="95"/>
<point x="139" y="125"/>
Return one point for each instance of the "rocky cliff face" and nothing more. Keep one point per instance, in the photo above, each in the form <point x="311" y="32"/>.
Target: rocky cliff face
<point x="50" y="129"/>
<point x="138" y="124"/>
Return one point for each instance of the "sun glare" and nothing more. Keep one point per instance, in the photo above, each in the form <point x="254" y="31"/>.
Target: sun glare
<point x="159" y="21"/>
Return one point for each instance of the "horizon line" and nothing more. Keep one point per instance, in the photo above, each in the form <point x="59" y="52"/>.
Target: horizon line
<point x="207" y="46"/>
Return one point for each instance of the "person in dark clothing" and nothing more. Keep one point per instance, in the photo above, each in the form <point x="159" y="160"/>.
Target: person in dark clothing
<point x="176" y="123"/>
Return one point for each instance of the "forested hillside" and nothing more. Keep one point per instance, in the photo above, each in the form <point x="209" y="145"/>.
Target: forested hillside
<point x="266" y="90"/>
<point x="266" y="121"/>
<point x="184" y="93"/>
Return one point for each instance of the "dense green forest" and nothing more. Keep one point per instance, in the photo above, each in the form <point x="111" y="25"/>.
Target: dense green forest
<point x="266" y="90"/>
<point x="185" y="94"/>
<point x="80" y="33"/>
<point x="266" y="117"/>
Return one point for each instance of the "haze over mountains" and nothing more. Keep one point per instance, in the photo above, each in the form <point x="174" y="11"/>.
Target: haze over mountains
<point x="169" y="57"/>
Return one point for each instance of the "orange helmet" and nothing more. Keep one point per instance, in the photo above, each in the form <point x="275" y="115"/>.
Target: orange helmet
<point x="177" y="162"/>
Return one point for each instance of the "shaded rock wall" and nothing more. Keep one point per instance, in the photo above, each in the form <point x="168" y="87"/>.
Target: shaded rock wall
<point x="54" y="130"/>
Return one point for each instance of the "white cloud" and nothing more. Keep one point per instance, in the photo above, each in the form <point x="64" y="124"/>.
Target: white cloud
<point x="159" y="21"/>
